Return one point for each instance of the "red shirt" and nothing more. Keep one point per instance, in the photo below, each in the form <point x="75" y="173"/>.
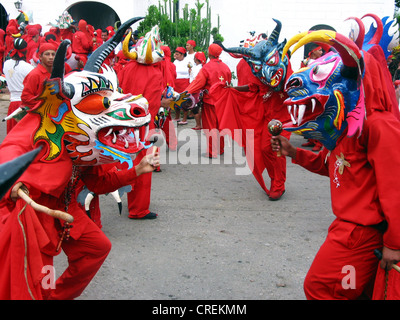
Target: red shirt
<point x="33" y="85"/>
<point x="211" y="73"/>
<point x="366" y="192"/>
<point x="145" y="79"/>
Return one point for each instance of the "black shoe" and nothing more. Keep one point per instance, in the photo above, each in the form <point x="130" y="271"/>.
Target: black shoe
<point x="150" y="215"/>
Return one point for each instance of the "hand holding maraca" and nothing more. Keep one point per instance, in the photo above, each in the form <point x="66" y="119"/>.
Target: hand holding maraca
<point x="279" y="142"/>
<point x="275" y="128"/>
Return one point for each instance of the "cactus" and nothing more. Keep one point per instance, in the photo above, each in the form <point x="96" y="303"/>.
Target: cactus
<point x="176" y="29"/>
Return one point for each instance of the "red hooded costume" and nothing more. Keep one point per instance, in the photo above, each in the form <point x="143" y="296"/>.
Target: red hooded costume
<point x="250" y="113"/>
<point x="82" y="42"/>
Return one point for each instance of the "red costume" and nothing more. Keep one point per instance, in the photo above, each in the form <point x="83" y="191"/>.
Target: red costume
<point x="250" y="112"/>
<point x="360" y="167"/>
<point x="82" y="42"/>
<point x="33" y="85"/>
<point x="87" y="247"/>
<point x="213" y="72"/>
<point x="375" y="202"/>
<point x="150" y="81"/>
<point x="30" y="239"/>
<point x="12" y="29"/>
<point x="2" y="49"/>
<point x="121" y="62"/>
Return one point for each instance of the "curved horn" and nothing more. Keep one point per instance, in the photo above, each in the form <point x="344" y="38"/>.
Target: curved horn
<point x="232" y="54"/>
<point x="292" y="41"/>
<point x="58" y="64"/>
<point x="347" y="49"/>
<point x="273" y="38"/>
<point x="125" y="48"/>
<point x="361" y="34"/>
<point x="379" y="28"/>
<point x="237" y="50"/>
<point x="97" y="57"/>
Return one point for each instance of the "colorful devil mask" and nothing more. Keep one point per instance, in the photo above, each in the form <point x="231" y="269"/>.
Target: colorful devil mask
<point x="265" y="59"/>
<point x="326" y="97"/>
<point x="147" y="49"/>
<point x="86" y="114"/>
<point x="381" y="34"/>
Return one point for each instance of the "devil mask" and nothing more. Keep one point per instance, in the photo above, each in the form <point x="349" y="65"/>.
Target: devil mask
<point x="266" y="60"/>
<point x="326" y="97"/>
<point x="147" y="50"/>
<point x="86" y="115"/>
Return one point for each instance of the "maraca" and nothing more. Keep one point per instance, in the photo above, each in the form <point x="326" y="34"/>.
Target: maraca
<point x="275" y="128"/>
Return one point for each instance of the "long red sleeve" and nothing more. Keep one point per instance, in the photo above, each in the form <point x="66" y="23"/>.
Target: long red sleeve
<point x="363" y="175"/>
<point x="100" y="180"/>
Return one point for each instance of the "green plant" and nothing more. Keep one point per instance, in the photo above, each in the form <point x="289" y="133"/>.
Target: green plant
<point x="178" y="26"/>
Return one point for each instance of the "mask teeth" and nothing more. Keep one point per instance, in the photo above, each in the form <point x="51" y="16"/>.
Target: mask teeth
<point x="313" y="101"/>
<point x="114" y="139"/>
<point x="137" y="138"/>
<point x="299" y="110"/>
<point x="302" y="109"/>
<point x="109" y="132"/>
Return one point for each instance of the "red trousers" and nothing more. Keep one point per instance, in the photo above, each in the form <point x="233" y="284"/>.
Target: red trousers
<point x="14" y="105"/>
<point x="345" y="265"/>
<point x="170" y="134"/>
<point x="276" y="166"/>
<point x="215" y="142"/>
<point x="139" y="197"/>
<point x="85" y="257"/>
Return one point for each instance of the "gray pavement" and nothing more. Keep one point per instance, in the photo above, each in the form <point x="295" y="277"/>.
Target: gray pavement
<point x="217" y="236"/>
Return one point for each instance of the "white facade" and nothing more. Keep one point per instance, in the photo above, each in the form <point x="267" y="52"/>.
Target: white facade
<point x="237" y="17"/>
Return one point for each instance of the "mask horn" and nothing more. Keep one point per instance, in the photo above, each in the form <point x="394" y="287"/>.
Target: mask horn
<point x="379" y="28"/>
<point x="361" y="34"/>
<point x="346" y="48"/>
<point x="125" y="48"/>
<point x="97" y="57"/>
<point x="59" y="66"/>
<point x="235" y="50"/>
<point x="273" y="38"/>
<point x="232" y="54"/>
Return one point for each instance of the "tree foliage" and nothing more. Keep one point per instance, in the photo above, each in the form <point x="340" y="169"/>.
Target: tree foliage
<point x="178" y="26"/>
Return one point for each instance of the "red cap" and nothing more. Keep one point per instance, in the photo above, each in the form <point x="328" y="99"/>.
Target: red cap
<point x="201" y="57"/>
<point x="180" y="50"/>
<point x="192" y="43"/>
<point x="46" y="46"/>
<point x="214" y="50"/>
<point x="315" y="49"/>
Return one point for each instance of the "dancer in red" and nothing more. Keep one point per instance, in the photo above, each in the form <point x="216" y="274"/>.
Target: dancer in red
<point x="82" y="42"/>
<point x="249" y="107"/>
<point x="213" y="72"/>
<point x="356" y="120"/>
<point x="33" y="83"/>
<point x="151" y="70"/>
<point x="29" y="237"/>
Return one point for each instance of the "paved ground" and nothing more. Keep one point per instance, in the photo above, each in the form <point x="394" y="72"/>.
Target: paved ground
<point x="217" y="235"/>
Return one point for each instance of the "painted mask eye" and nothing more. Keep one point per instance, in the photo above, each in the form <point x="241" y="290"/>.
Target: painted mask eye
<point x="256" y="67"/>
<point x="273" y="61"/>
<point x="94" y="104"/>
<point x="321" y="72"/>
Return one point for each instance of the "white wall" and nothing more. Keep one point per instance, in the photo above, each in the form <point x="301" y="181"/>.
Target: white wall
<point x="237" y="17"/>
